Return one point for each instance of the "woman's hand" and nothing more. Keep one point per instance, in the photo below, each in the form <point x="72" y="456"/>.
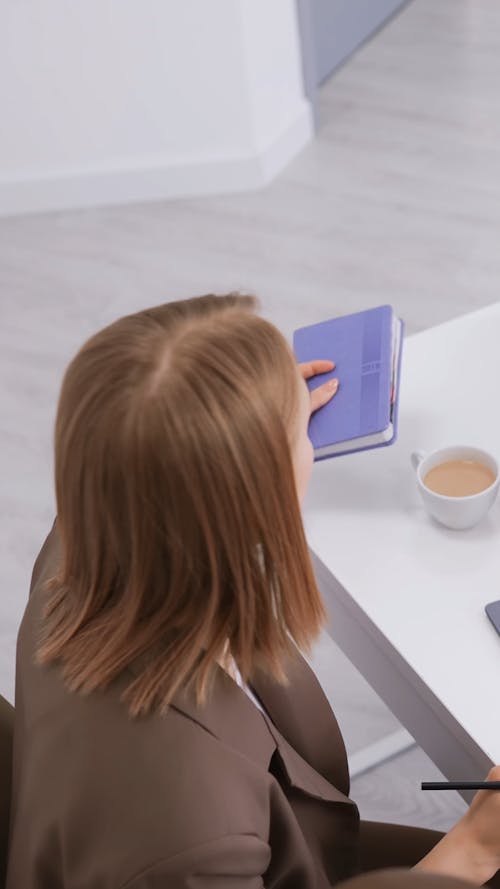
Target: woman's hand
<point x="481" y="823"/>
<point x="323" y="393"/>
<point x="471" y="849"/>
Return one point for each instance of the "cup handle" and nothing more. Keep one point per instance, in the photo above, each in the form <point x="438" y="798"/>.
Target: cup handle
<point x="416" y="458"/>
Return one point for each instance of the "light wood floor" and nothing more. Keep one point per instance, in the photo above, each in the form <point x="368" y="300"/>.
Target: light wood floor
<point x="397" y="200"/>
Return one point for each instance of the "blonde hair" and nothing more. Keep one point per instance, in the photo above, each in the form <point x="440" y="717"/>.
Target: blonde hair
<point x="178" y="515"/>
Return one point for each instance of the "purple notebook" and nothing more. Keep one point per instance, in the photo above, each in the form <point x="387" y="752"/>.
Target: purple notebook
<point x="366" y="348"/>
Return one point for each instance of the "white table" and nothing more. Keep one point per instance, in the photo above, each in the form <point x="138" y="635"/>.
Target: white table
<point x="406" y="596"/>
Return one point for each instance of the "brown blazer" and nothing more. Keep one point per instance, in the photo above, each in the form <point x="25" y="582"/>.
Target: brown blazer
<point x="215" y="797"/>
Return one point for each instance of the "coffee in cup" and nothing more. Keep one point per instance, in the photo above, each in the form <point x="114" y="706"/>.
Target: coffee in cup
<point x="459" y="478"/>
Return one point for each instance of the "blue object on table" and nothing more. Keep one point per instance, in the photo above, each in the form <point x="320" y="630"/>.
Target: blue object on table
<point x="366" y="348"/>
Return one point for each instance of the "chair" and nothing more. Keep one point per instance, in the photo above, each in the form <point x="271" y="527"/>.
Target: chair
<point x="6" y="733"/>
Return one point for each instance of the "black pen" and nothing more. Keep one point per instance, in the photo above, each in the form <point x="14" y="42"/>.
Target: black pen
<point x="460" y="785"/>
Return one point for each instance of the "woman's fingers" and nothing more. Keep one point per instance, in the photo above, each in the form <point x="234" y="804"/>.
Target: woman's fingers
<point x="320" y="366"/>
<point x="323" y="393"/>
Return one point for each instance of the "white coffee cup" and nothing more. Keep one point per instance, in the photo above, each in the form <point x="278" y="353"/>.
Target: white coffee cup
<point x="455" y="512"/>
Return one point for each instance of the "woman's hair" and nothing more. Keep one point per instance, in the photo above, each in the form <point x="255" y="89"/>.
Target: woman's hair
<point x="180" y="527"/>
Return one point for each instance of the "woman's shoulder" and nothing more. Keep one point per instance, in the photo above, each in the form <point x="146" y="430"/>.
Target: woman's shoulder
<point x="174" y="754"/>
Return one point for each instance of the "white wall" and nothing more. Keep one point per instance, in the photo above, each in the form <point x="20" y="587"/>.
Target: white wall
<point x="105" y="101"/>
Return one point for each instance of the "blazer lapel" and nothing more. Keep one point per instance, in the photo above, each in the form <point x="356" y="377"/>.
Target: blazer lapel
<point x="298" y="724"/>
<point x="231" y="716"/>
<point x="305" y="724"/>
<point x="303" y="776"/>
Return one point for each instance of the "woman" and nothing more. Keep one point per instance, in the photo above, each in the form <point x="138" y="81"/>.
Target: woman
<point x="169" y="733"/>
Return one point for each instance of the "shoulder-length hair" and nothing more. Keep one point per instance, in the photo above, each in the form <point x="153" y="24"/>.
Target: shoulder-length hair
<point x="179" y="522"/>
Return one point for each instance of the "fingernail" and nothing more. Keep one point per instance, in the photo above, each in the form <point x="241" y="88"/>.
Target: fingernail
<point x="332" y="384"/>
